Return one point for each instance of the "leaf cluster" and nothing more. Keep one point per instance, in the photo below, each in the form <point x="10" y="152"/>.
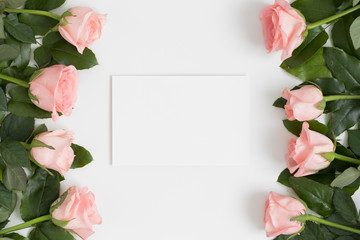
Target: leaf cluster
<point x="329" y="58"/>
<point x="22" y="180"/>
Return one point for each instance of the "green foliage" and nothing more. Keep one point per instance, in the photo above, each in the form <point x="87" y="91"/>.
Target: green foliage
<point x="17" y="128"/>
<point x="315" y="39"/>
<point x="295" y="126"/>
<point x="7" y="203"/>
<point x="43" y="4"/>
<point x="21" y="105"/>
<point x="14" y="154"/>
<point x="39" y="24"/>
<point x="313" y="68"/>
<point x="316" y="10"/>
<point x="42" y="190"/>
<point x="49" y="231"/>
<point x="19" y="31"/>
<point x="65" y="53"/>
<point x="317" y="196"/>
<point x="82" y="156"/>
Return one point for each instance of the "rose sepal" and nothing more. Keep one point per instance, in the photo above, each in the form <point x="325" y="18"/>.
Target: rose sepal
<point x="39" y="165"/>
<point x="58" y="202"/>
<point x="63" y="21"/>
<point x="37" y="143"/>
<point x="330" y="156"/>
<point x="59" y="222"/>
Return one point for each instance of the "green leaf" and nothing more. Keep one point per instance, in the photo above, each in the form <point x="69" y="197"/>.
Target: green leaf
<point x="39" y="24"/>
<point x="345" y="117"/>
<point x="2" y="31"/>
<point x="346" y="178"/>
<point x="23" y="59"/>
<point x="316" y="10"/>
<point x="49" y="231"/>
<point x="43" y="4"/>
<point x="312" y="231"/>
<point x="356" y="2"/>
<point x="43" y="189"/>
<point x="8" y="52"/>
<point x="19" y="31"/>
<point x="345" y="206"/>
<point x="354" y="141"/>
<point x="284" y="177"/>
<point x="16" y="128"/>
<point x="13" y="153"/>
<point x="315" y="67"/>
<point x="42" y="56"/>
<point x="7" y="203"/>
<point x="36" y="143"/>
<point x="315" y="39"/>
<point x="14" y="3"/>
<point x="21" y="105"/>
<point x="295" y="126"/>
<point x="65" y="53"/>
<point x="343" y="66"/>
<point x="355" y="33"/>
<point x="3" y="101"/>
<point x="15" y="236"/>
<point x="330" y="86"/>
<point x="337" y="218"/>
<point x="40" y="129"/>
<point x="27" y="110"/>
<point x="317" y="196"/>
<point x="280" y="102"/>
<point x="14" y="178"/>
<point x="82" y="156"/>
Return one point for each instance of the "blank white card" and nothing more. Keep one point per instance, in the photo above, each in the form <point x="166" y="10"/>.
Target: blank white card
<point x="180" y="120"/>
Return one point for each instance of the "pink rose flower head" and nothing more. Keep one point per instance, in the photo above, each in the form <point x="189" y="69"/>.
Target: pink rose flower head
<point x="304" y="153"/>
<point x="82" y="28"/>
<point x="79" y="209"/>
<point x="283" y="28"/>
<point x="279" y="209"/>
<point x="61" y="157"/>
<point x="55" y="89"/>
<point x="302" y="104"/>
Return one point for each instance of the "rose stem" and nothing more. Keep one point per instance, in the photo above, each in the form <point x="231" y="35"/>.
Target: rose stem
<point x="15" y="80"/>
<point x="26" y="224"/>
<point x="340" y="97"/>
<point x="309" y="217"/>
<point x="332" y="18"/>
<point x="34" y="12"/>
<point x="347" y="159"/>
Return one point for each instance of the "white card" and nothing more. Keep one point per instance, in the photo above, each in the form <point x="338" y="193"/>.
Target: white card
<point x="180" y="120"/>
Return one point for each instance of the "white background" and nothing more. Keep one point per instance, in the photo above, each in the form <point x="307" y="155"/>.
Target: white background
<point x="180" y="37"/>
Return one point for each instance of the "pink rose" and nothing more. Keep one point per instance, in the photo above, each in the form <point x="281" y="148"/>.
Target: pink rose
<point x="61" y="157"/>
<point x="304" y="153"/>
<point x="279" y="210"/>
<point x="283" y="28"/>
<point x="79" y="209"/>
<point x="55" y="89"/>
<point x="83" y="27"/>
<point x="302" y="104"/>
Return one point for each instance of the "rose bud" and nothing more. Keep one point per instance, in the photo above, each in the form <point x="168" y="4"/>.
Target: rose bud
<point x="61" y="157"/>
<point x="76" y="211"/>
<point x="279" y="209"/>
<point x="82" y="27"/>
<point x="283" y="28"/>
<point x="305" y="152"/>
<point x="303" y="104"/>
<point x="55" y="89"/>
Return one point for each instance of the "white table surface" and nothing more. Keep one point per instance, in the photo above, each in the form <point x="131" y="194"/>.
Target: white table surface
<point x="180" y="37"/>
